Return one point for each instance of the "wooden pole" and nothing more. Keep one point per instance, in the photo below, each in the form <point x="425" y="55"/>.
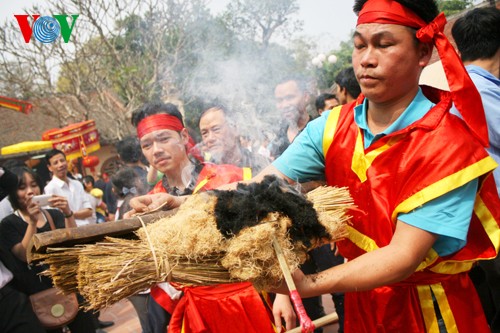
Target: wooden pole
<point x="323" y="321"/>
<point x="89" y="233"/>
<point x="306" y="324"/>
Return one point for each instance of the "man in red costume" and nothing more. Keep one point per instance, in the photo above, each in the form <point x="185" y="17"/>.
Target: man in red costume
<point x="235" y="307"/>
<point x="420" y="176"/>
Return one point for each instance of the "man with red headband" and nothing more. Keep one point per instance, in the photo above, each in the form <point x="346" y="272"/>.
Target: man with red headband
<point x="427" y="204"/>
<point x="166" y="145"/>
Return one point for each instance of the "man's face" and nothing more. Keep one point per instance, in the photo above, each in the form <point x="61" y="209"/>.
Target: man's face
<point x="165" y="149"/>
<point x="58" y="166"/>
<point x="217" y="135"/>
<point x="290" y="101"/>
<point x="341" y="94"/>
<point x="387" y="62"/>
<point x="331" y="103"/>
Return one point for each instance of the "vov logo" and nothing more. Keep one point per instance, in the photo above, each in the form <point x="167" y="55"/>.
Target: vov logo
<point x="46" y="29"/>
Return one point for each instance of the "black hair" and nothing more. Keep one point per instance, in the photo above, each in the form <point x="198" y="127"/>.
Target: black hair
<point x="19" y="172"/>
<point x="477" y="33"/>
<point x="129" y="149"/>
<point x="88" y="179"/>
<point x="427" y="10"/>
<point x="53" y="153"/>
<point x="152" y="108"/>
<point x="7" y="181"/>
<point x="127" y="184"/>
<point x="347" y="79"/>
<point x="320" y="100"/>
<point x="127" y="178"/>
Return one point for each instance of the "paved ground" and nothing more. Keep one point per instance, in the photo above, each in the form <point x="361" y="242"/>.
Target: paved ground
<point x="124" y="316"/>
<point x="126" y="321"/>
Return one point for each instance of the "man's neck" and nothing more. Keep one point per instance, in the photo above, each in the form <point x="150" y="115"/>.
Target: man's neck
<point x="295" y="128"/>
<point x="65" y="179"/>
<point x="134" y="164"/>
<point x="382" y="115"/>
<point x="349" y="98"/>
<point x="233" y="157"/>
<point x="303" y="120"/>
<point x="491" y="65"/>
<point x="177" y="178"/>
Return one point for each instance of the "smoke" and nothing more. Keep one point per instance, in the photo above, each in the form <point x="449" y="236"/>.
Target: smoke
<point x="240" y="83"/>
<point x="187" y="175"/>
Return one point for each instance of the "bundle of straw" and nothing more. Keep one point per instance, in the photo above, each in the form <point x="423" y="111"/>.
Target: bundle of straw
<point x="188" y="248"/>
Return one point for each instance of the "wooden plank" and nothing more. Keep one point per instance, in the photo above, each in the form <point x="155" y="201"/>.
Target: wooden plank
<point x="89" y="233"/>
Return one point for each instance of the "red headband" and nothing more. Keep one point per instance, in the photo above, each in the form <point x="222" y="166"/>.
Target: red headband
<point x="160" y="121"/>
<point x="464" y="94"/>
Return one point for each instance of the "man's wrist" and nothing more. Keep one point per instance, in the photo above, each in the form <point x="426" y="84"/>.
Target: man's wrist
<point x="68" y="215"/>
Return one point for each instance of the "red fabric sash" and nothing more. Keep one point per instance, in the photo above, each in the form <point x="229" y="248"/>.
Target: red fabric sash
<point x="223" y="308"/>
<point x="163" y="299"/>
<point x="464" y="94"/>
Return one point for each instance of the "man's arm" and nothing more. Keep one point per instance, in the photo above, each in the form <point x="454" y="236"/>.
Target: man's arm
<point x="83" y="213"/>
<point x="87" y="209"/>
<point x="269" y="170"/>
<point x="386" y="265"/>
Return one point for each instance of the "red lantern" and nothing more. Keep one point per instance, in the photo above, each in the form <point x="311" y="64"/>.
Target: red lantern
<point x="90" y="162"/>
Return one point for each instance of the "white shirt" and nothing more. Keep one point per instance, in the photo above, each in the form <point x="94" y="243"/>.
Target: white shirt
<point x="76" y="195"/>
<point x="5" y="208"/>
<point x="5" y="275"/>
<point x="94" y="202"/>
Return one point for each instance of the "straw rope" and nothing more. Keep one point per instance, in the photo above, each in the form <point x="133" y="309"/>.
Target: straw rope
<point x="152" y="248"/>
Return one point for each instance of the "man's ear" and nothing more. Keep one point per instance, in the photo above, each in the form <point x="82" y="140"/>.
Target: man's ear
<point x="425" y="53"/>
<point x="184" y="136"/>
<point x="49" y="167"/>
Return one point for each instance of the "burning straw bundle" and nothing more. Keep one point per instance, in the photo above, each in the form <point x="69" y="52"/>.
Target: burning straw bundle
<point x="215" y="237"/>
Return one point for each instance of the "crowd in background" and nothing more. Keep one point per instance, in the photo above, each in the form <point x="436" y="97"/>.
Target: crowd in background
<point x="103" y="198"/>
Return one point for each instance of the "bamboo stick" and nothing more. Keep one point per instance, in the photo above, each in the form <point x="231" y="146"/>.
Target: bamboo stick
<point x="320" y="322"/>
<point x="306" y="324"/>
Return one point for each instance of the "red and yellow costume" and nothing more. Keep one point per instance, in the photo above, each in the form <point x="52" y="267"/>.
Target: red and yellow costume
<point x="405" y="170"/>
<point x="213" y="176"/>
<point x="392" y="177"/>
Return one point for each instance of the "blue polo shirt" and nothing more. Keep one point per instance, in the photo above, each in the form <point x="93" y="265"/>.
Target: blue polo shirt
<point x="447" y="216"/>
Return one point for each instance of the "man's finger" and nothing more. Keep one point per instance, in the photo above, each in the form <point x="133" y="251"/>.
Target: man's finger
<point x="290" y="322"/>
<point x="277" y="322"/>
<point x="129" y="214"/>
